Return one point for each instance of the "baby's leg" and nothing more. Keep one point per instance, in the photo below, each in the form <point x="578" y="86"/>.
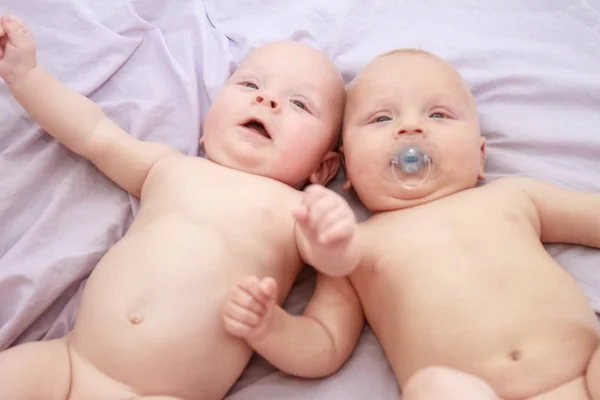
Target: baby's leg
<point x="156" y="398"/>
<point x="593" y="376"/>
<point x="35" y="371"/>
<point x="434" y="383"/>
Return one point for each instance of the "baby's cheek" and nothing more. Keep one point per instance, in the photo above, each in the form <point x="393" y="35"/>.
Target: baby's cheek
<point x="300" y="157"/>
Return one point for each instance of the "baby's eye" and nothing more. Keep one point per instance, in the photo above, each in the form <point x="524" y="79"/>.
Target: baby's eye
<point x="437" y="115"/>
<point x="250" y="85"/>
<point x="382" y="119"/>
<point x="299" y="104"/>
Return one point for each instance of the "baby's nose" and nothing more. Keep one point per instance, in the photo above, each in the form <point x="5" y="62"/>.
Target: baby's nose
<point x="410" y="128"/>
<point x="270" y="101"/>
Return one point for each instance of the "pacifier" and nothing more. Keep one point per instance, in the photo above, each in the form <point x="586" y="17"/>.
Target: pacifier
<point x="413" y="165"/>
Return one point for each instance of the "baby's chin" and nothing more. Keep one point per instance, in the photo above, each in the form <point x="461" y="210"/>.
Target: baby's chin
<point x="403" y="198"/>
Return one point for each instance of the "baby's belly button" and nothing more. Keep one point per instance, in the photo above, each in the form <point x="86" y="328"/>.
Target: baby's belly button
<point x="519" y="357"/>
<point x="135" y="308"/>
<point x="194" y="310"/>
<point x="135" y="317"/>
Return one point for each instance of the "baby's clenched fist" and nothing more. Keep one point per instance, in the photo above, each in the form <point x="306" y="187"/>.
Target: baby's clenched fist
<point x="17" y="49"/>
<point x="249" y="307"/>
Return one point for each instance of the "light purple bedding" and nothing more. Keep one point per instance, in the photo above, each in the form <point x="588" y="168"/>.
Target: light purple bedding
<point x="143" y="63"/>
<point x="154" y="65"/>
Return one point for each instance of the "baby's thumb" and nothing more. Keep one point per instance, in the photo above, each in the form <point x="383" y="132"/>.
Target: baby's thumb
<point x="17" y="32"/>
<point x="268" y="288"/>
<point x="301" y="215"/>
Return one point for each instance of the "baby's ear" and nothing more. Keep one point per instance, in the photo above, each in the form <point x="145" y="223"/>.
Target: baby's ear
<point x="483" y="155"/>
<point x="327" y="170"/>
<point x="347" y="184"/>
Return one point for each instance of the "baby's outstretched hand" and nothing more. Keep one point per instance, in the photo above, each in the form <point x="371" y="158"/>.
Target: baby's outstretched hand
<point x="17" y="49"/>
<point x="325" y="217"/>
<point x="249" y="307"/>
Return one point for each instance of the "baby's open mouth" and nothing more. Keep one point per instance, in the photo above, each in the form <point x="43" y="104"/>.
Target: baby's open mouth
<point x="258" y="127"/>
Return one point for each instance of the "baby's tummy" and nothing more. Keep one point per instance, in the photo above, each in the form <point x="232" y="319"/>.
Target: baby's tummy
<point x="150" y="315"/>
<point x="524" y="336"/>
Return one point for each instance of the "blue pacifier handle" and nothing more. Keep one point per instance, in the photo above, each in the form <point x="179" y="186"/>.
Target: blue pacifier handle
<point x="411" y="159"/>
<point x="412" y="166"/>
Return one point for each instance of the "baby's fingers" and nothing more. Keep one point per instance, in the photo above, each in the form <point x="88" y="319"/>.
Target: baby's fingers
<point x="17" y="32"/>
<point x="250" y="306"/>
<point x="341" y="230"/>
<point x="243" y="299"/>
<point x="3" y="40"/>
<point x="329" y="217"/>
<point x="314" y="193"/>
<point x="252" y="286"/>
<point x="237" y="328"/>
<point x="243" y="315"/>
<point x="268" y="289"/>
<point x="12" y="27"/>
<point x="301" y="215"/>
<point x="322" y="209"/>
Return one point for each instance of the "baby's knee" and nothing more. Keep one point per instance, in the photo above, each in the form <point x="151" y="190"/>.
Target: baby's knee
<point x="446" y="383"/>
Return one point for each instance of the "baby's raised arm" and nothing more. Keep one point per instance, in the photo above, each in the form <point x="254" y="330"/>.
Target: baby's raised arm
<point x="73" y="119"/>
<point x="312" y="345"/>
<point x="565" y="216"/>
<point x="327" y="234"/>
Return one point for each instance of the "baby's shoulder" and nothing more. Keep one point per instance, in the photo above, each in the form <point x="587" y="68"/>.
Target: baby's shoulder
<point x="510" y="186"/>
<point x="173" y="168"/>
<point x="182" y="165"/>
<point x="510" y="193"/>
<point x="179" y="160"/>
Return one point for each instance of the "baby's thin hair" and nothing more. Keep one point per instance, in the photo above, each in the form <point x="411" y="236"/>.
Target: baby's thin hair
<point x="415" y="51"/>
<point x="408" y="50"/>
<point x="398" y="52"/>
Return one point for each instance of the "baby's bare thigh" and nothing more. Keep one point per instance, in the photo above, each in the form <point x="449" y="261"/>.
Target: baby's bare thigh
<point x="574" y="390"/>
<point x="154" y="398"/>
<point x="583" y="388"/>
<point x="593" y="375"/>
<point x="35" y="371"/>
<point x="89" y="383"/>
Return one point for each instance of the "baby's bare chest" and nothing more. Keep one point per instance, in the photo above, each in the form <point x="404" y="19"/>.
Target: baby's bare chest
<point x="217" y="197"/>
<point x="453" y="248"/>
<point x="461" y="229"/>
<point x="481" y="265"/>
<point x="213" y="228"/>
<point x="209" y="216"/>
<point x="460" y="261"/>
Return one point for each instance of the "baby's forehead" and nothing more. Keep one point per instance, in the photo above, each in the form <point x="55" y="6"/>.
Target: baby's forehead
<point x="415" y="70"/>
<point x="286" y="53"/>
<point x="398" y="68"/>
<point x="305" y="66"/>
